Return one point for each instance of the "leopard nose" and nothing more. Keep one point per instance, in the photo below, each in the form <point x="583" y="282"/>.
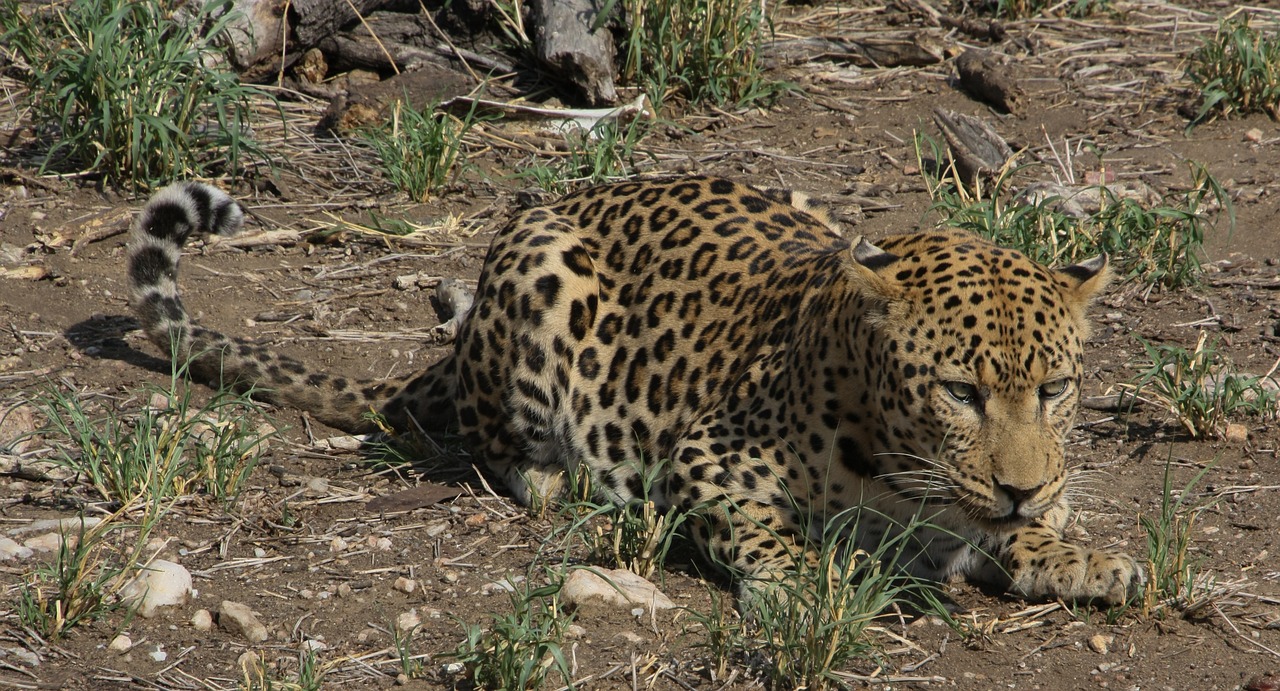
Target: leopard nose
<point x="1018" y="495"/>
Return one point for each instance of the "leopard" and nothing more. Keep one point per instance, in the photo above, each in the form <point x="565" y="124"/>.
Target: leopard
<point x="727" y="351"/>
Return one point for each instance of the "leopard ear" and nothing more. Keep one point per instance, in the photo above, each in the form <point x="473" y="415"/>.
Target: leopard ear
<point x="873" y="268"/>
<point x="1082" y="282"/>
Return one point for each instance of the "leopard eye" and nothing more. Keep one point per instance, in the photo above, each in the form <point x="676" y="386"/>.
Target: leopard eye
<point x="1053" y="389"/>
<point x="963" y="392"/>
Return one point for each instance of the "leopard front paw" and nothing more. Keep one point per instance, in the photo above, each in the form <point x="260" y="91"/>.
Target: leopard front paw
<point x="1075" y="573"/>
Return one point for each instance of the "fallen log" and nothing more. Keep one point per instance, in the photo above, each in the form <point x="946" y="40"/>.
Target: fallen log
<point x="988" y="81"/>
<point x="976" y="148"/>
<point x="570" y="39"/>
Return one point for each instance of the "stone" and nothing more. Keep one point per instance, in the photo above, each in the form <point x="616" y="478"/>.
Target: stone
<point x="240" y="620"/>
<point x="52" y="531"/>
<point x="405" y="585"/>
<point x="407" y="622"/>
<point x="162" y="583"/>
<point x="316" y="486"/>
<point x="202" y="620"/>
<point x="120" y="644"/>
<point x="614" y="588"/>
<point x="9" y="549"/>
<point x="1100" y="643"/>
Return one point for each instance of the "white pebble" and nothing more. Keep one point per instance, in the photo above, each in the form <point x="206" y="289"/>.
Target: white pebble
<point x="160" y="584"/>
<point x="202" y="620"/>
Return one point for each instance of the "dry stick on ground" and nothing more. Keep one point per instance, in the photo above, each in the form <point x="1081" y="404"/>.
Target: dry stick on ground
<point x="916" y="50"/>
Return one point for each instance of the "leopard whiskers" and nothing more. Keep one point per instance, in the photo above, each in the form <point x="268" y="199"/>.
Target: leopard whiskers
<point x="932" y="480"/>
<point x="1082" y="483"/>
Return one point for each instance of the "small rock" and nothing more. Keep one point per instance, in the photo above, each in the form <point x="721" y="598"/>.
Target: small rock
<point x="405" y="585"/>
<point x="18" y="428"/>
<point x="344" y="590"/>
<point x="49" y="542"/>
<point x="12" y="550"/>
<point x="476" y="519"/>
<point x="1266" y="682"/>
<point x="408" y="621"/>
<point x="239" y="619"/>
<point x="25" y="656"/>
<point x="202" y="620"/>
<point x="249" y="662"/>
<point x="312" y="645"/>
<point x="162" y="583"/>
<point x="158" y="654"/>
<point x="454" y="668"/>
<point x="317" y="486"/>
<point x="53" y="530"/>
<point x="630" y="637"/>
<point x="575" y="632"/>
<point x="506" y="585"/>
<point x="337" y="545"/>
<point x="259" y="552"/>
<point x="1253" y="135"/>
<point x="614" y="588"/>
<point x="1100" y="643"/>
<point x="1236" y="433"/>
<point x="120" y="644"/>
<point x="382" y="544"/>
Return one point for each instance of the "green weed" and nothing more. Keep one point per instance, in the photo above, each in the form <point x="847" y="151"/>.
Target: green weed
<point x="259" y="675"/>
<point x="132" y="94"/>
<point x="1173" y="576"/>
<point x="521" y="649"/>
<point x="808" y="627"/>
<point x="87" y="573"/>
<point x="1160" y="245"/>
<point x="420" y="149"/>
<point x="402" y="641"/>
<point x="168" y="450"/>
<point x="1237" y="71"/>
<point x="1199" y="387"/>
<point x="704" y="51"/>
<point x="636" y="536"/>
<point x="74" y="588"/>
<point x="608" y="152"/>
<point x="819" y="621"/>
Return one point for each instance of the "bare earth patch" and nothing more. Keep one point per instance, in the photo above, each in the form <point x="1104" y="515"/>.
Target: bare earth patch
<point x="317" y="562"/>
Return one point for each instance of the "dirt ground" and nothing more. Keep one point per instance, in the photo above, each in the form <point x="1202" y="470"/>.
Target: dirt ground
<point x="1106" y="88"/>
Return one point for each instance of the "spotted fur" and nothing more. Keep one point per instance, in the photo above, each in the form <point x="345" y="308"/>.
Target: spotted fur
<point x="772" y="372"/>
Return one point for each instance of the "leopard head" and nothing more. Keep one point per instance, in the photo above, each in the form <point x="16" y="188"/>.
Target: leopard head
<point x="979" y="369"/>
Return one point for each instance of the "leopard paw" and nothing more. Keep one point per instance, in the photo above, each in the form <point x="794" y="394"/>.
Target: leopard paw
<point x="1075" y="573"/>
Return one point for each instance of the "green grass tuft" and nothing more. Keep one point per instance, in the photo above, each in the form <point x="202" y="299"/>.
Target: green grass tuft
<point x="421" y="150"/>
<point x="172" y="449"/>
<point x="1160" y="245"/>
<point x="128" y="92"/>
<point x="521" y="649"/>
<point x="703" y="51"/>
<point x="1175" y="578"/>
<point x="1237" y="71"/>
<point x="1201" y="389"/>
